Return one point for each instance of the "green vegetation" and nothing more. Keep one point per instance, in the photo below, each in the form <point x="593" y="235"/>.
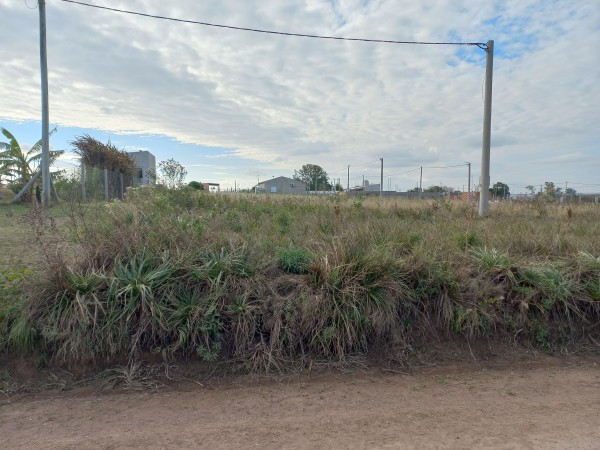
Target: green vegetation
<point x="265" y="279"/>
<point x="19" y="165"/>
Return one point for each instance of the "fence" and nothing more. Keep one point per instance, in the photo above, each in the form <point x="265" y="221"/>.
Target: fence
<point x="88" y="183"/>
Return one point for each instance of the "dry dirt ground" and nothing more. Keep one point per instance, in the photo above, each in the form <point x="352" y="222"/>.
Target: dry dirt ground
<point x="554" y="403"/>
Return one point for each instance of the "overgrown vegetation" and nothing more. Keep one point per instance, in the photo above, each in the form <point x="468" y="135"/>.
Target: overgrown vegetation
<point x="265" y="279"/>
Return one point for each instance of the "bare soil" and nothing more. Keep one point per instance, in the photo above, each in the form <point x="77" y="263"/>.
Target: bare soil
<point x="550" y="403"/>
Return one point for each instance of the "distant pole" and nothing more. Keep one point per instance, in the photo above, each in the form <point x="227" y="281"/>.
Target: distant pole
<point x="469" y="183"/>
<point x="348" y="179"/>
<point x="566" y="187"/>
<point x="421" y="184"/>
<point x="381" y="182"/>
<point x="45" y="107"/>
<point x="487" y="132"/>
<point x="234" y="185"/>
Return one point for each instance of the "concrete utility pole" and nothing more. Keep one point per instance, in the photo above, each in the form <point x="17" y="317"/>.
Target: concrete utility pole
<point x="487" y="132"/>
<point x="381" y="181"/>
<point x="421" y="184"/>
<point x="469" y="183"/>
<point x="45" y="108"/>
<point x="348" y="190"/>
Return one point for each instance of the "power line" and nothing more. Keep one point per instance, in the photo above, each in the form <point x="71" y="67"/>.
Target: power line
<point x="365" y="164"/>
<point x="481" y="45"/>
<point x="443" y="167"/>
<point x="402" y="173"/>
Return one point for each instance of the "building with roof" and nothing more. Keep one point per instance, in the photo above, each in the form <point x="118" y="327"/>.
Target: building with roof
<point x="281" y="185"/>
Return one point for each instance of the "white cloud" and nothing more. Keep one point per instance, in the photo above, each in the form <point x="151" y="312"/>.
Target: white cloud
<point x="282" y="102"/>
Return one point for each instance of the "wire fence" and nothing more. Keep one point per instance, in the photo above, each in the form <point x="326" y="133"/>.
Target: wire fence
<point x="86" y="183"/>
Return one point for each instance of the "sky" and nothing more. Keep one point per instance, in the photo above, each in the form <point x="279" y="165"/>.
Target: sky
<point x="235" y="107"/>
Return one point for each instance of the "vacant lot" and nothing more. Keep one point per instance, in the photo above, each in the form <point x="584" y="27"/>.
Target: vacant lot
<point x="274" y="283"/>
<point x="547" y="403"/>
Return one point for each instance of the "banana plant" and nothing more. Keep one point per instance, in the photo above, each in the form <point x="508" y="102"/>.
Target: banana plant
<point x="18" y="164"/>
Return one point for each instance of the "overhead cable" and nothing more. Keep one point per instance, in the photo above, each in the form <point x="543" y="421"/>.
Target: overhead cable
<point x="282" y="33"/>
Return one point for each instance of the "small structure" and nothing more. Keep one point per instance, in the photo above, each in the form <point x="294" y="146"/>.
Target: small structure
<point x="211" y="187"/>
<point x="145" y="166"/>
<point x="281" y="185"/>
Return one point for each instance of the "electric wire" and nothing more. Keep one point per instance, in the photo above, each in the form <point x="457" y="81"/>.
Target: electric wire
<point x="481" y="45"/>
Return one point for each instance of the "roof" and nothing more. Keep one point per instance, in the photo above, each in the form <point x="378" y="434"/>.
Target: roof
<point x="287" y="179"/>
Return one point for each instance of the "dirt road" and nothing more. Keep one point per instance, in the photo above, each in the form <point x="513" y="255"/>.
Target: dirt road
<point x="555" y="406"/>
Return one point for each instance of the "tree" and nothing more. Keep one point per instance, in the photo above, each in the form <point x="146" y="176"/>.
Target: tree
<point x="500" y="190"/>
<point x="313" y="176"/>
<point x="571" y="191"/>
<point x="172" y="173"/>
<point x="19" y="164"/>
<point x="551" y="190"/>
<point x="530" y="189"/>
<point x="435" y="189"/>
<point x="196" y="185"/>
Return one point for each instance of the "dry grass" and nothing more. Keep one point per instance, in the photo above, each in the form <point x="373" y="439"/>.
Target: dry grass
<point x="269" y="280"/>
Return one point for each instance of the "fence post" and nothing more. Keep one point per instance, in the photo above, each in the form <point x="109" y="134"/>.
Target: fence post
<point x="106" y="184"/>
<point x="121" y="182"/>
<point x="83" y="196"/>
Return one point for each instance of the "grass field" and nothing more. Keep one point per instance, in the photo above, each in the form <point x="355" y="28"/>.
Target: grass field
<point x="269" y="279"/>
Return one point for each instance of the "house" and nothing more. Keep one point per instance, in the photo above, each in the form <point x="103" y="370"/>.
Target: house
<point x="145" y="165"/>
<point x="211" y="187"/>
<point x="281" y="185"/>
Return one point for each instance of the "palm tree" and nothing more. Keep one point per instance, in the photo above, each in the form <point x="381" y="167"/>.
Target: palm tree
<point x="18" y="164"/>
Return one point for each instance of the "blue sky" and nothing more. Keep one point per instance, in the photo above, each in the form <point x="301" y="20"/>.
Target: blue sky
<point x="234" y="106"/>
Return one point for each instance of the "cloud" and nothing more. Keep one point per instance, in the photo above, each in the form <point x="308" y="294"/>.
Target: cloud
<point x="279" y="102"/>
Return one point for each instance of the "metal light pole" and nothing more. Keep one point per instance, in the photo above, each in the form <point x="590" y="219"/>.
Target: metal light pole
<point x="487" y="132"/>
<point x="45" y="108"/>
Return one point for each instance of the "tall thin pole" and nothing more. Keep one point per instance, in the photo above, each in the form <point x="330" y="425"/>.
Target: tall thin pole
<point x="487" y="132"/>
<point x="469" y="183"/>
<point x="381" y="182"/>
<point x="45" y="108"/>
<point x="421" y="184"/>
<point x="348" y="190"/>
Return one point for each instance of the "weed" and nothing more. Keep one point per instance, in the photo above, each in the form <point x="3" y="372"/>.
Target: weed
<point x="294" y="260"/>
<point x="468" y="240"/>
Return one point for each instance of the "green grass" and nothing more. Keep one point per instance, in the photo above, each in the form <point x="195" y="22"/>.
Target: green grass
<point x="266" y="279"/>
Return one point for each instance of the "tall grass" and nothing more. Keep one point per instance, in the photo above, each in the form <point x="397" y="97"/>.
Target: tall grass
<point x="267" y="278"/>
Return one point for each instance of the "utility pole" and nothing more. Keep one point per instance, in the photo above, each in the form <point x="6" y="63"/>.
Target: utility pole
<point x="487" y="132"/>
<point x="469" y="183"/>
<point x="421" y="184"/>
<point x="381" y="181"/>
<point x="45" y="108"/>
<point x="348" y="190"/>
